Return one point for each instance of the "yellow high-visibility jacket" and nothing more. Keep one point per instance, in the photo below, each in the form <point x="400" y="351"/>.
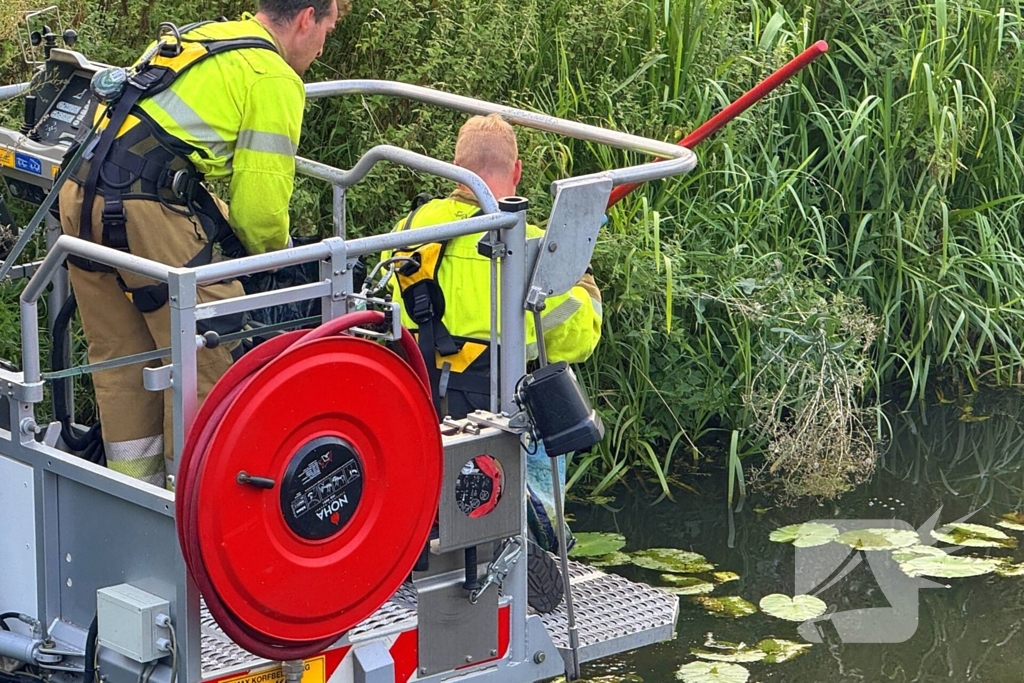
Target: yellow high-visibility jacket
<point x="571" y="322"/>
<point x="242" y="111"/>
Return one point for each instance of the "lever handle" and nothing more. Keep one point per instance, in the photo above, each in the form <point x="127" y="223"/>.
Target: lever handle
<point x="259" y="482"/>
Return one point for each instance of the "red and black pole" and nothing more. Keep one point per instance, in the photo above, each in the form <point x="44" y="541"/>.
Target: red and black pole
<point x="714" y="124"/>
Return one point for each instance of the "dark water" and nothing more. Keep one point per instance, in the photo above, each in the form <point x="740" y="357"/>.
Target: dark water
<point x="971" y="631"/>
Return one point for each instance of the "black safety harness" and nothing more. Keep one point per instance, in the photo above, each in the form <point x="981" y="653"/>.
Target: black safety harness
<point x="145" y="162"/>
<point x="424" y="302"/>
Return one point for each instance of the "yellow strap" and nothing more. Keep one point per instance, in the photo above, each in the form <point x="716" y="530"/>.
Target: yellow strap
<point x="430" y="261"/>
<point x="461" y="361"/>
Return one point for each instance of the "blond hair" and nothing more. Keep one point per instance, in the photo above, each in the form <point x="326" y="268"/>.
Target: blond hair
<point x="487" y="146"/>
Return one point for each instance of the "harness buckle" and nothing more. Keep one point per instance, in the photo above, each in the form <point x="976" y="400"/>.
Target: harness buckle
<point x="421" y="309"/>
<point x="115" y="222"/>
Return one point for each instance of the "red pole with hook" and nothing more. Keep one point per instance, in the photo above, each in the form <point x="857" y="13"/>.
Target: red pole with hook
<point x="714" y="124"/>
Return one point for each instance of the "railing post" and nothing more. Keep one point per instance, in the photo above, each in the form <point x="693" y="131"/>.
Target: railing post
<point x="181" y="284"/>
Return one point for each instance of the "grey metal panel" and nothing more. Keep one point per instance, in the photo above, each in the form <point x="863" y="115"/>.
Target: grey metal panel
<point x="453" y="632"/>
<point x="52" y="461"/>
<point x="109" y="542"/>
<point x="18" y="588"/>
<point x="116" y="668"/>
<point x="373" y="663"/>
<point x="570" y="237"/>
<point x="456" y="529"/>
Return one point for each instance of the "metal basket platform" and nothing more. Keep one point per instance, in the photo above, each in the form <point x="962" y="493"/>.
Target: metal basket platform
<point x="613" y="614"/>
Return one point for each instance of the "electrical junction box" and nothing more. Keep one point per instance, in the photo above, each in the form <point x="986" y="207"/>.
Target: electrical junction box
<point x="127" y="619"/>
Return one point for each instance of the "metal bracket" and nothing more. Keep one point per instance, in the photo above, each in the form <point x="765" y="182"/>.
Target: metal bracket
<point x="52" y="434"/>
<point x="158" y="379"/>
<point x="25" y="392"/>
<point x="360" y="302"/>
<point x="569" y="240"/>
<point x="513" y="424"/>
<point x="491" y="248"/>
<point x="339" y="262"/>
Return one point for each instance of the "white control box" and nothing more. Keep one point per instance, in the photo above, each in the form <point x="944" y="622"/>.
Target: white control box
<point x="127" y="619"/>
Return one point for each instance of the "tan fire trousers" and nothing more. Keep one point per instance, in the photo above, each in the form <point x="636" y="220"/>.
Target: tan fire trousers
<point x="137" y="422"/>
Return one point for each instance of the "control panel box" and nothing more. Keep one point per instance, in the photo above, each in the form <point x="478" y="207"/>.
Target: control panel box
<point x="128" y="622"/>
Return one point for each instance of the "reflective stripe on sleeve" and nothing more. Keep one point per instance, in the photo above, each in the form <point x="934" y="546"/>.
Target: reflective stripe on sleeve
<point x="269" y="143"/>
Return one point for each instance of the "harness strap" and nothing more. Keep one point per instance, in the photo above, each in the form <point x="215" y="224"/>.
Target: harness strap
<point x="137" y="86"/>
<point x="149" y="298"/>
<point x="425" y="304"/>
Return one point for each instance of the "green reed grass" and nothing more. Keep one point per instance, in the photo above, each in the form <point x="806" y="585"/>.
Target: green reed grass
<point x="889" y="175"/>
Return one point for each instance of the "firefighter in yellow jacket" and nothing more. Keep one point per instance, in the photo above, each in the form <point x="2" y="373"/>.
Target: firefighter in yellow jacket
<point x="571" y="322"/>
<point x="218" y="101"/>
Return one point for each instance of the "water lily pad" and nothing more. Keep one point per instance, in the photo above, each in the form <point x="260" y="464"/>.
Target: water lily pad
<point x="1008" y="569"/>
<point x="777" y="650"/>
<point x="596" y="544"/>
<point x="724" y="577"/>
<point x="730" y="606"/>
<point x="948" y="566"/>
<point x="974" y="536"/>
<point x="805" y="535"/>
<point x="708" y="672"/>
<point x="879" y="539"/>
<point x="616" y="559"/>
<point x="912" y="551"/>
<point x="671" y="560"/>
<point x="798" y="608"/>
<point x="1014" y="521"/>
<point x="687" y="585"/>
<point x="741" y="653"/>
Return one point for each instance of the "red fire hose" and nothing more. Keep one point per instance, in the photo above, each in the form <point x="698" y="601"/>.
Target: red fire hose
<point x="301" y="504"/>
<point x="714" y="124"/>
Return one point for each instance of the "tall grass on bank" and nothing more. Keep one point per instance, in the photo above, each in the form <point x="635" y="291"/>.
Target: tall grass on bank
<point x="881" y="187"/>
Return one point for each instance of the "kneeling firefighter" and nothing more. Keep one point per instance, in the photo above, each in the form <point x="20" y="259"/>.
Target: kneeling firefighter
<point x="445" y="291"/>
<point x="214" y="101"/>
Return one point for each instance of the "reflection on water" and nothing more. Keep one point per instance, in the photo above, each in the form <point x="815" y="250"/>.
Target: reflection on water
<point x="971" y="631"/>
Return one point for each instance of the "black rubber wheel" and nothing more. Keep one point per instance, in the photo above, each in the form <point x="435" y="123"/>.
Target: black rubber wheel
<point x="543" y="580"/>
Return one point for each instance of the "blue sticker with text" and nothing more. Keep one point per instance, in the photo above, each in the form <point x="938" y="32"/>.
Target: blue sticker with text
<point x="29" y="164"/>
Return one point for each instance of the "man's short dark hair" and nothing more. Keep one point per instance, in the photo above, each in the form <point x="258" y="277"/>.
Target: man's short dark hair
<point x="284" y="11"/>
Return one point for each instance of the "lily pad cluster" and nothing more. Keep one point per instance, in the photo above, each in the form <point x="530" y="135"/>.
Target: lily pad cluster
<point x="677" y="567"/>
<point x="916" y="558"/>
<point x="770" y="650"/>
<point x="973" y="536"/>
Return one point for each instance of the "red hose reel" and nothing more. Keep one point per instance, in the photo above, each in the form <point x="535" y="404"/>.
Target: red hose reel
<point x="308" y="486"/>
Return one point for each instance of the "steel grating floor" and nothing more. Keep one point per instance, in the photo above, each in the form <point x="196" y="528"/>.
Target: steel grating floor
<point x="613" y="615"/>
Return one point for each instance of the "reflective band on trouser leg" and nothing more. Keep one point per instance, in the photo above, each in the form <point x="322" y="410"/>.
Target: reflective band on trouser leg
<point x="140" y="458"/>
